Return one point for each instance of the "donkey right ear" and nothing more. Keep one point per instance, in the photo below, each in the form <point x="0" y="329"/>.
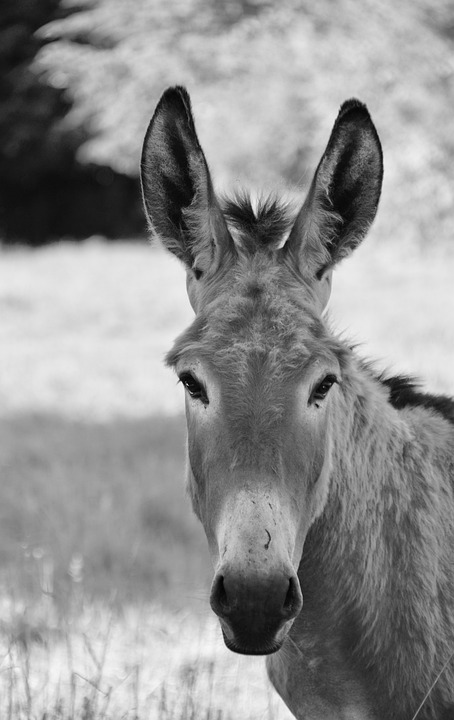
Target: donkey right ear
<point x="177" y="190"/>
<point x="344" y="194"/>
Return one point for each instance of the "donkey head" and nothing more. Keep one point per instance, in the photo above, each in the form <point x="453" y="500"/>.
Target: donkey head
<point x="261" y="371"/>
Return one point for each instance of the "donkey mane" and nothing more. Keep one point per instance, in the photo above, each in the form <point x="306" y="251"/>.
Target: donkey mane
<point x="258" y="223"/>
<point x="405" y="392"/>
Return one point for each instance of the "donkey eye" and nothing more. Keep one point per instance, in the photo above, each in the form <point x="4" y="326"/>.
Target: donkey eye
<point x="194" y="388"/>
<point x="322" y="389"/>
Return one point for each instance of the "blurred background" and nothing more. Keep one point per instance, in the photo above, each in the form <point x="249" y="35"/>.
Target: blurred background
<point x="103" y="569"/>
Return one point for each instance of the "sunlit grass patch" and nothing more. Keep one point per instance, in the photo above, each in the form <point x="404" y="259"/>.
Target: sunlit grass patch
<point x="396" y="302"/>
<point x="84" y="329"/>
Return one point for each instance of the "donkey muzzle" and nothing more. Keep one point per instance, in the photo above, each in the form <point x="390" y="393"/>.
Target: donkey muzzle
<point x="255" y="612"/>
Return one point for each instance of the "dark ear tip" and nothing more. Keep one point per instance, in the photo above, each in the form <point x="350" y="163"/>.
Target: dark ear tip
<point x="353" y="105"/>
<point x="177" y="91"/>
<point x="175" y="98"/>
<point x="354" y="112"/>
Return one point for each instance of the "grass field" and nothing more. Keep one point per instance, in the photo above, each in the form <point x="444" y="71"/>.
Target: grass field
<point x="104" y="570"/>
<point x="144" y="662"/>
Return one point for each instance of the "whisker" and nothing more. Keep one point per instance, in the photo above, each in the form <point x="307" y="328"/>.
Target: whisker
<point x="433" y="685"/>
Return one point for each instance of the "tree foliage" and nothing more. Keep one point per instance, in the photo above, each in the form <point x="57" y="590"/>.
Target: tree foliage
<point x="32" y="138"/>
<point x="44" y="191"/>
<point x="266" y="79"/>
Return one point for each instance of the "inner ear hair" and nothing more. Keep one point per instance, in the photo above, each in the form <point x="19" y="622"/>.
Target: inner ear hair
<point x="344" y="193"/>
<point x="179" y="199"/>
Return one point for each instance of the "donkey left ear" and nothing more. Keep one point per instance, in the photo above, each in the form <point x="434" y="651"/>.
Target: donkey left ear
<point x="344" y="194"/>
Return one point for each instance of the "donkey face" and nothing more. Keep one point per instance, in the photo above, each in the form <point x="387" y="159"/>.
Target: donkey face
<point x="261" y="371"/>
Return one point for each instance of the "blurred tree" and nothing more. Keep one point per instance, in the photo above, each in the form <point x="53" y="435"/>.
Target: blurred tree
<point x="266" y="79"/>
<point x="29" y="108"/>
<point x="43" y="190"/>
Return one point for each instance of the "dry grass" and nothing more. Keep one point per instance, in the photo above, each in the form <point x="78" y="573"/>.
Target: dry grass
<point x="143" y="663"/>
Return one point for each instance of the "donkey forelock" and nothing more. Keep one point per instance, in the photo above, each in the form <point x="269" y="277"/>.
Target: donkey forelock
<point x="260" y="223"/>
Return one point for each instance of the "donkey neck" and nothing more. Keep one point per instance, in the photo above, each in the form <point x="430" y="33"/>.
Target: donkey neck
<point x="369" y="487"/>
<point x="372" y="442"/>
<point x="386" y="465"/>
<point x="371" y="552"/>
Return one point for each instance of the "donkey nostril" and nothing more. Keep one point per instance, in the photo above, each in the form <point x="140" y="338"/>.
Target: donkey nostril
<point x="293" y="600"/>
<point x="222" y="595"/>
<point x="219" y="600"/>
<point x="288" y="602"/>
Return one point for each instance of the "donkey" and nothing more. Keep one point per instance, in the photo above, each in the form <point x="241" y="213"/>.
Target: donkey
<point x="313" y="476"/>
